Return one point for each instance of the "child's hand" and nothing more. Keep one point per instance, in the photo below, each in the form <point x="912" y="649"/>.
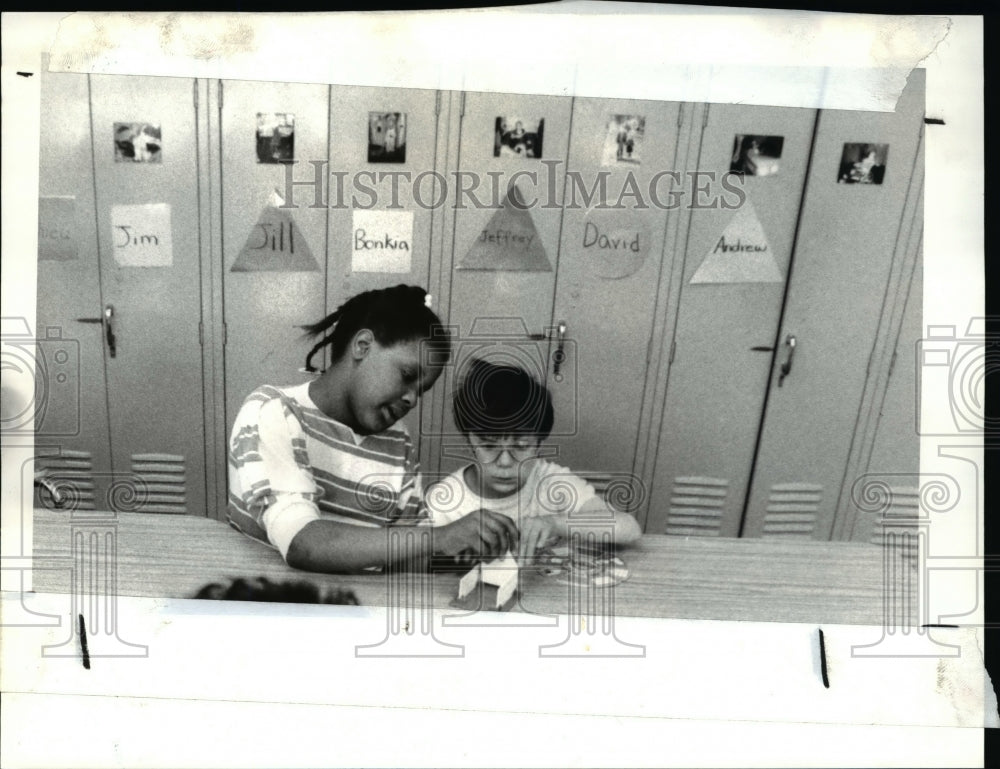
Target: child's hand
<point x="536" y="531"/>
<point x="484" y="534"/>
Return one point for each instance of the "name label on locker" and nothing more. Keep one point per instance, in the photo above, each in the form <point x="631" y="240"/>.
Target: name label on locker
<point x="613" y="246"/>
<point x="742" y="253"/>
<point x="382" y="241"/>
<point x="141" y="235"/>
<point x="616" y="240"/>
<point x="57" y="228"/>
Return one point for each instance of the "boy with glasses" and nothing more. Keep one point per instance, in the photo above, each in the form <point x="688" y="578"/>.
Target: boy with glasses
<point x="505" y="414"/>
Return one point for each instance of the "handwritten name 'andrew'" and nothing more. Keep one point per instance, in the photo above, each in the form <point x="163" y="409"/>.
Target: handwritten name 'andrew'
<point x="738" y="246"/>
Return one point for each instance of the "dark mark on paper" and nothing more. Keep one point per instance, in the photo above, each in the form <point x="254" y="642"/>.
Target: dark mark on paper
<point x="822" y="659"/>
<point x="933" y="625"/>
<point x="933" y="121"/>
<point x="83" y="641"/>
<point x="26" y="74"/>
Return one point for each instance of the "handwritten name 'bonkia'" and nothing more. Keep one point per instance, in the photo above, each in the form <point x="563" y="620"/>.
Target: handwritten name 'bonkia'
<point x="363" y="243"/>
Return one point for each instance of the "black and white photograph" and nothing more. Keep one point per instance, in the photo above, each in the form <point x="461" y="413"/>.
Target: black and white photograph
<point x="518" y="136"/>
<point x="675" y="433"/>
<point x="386" y="137"/>
<point x="756" y="155"/>
<point x="863" y="163"/>
<point x="138" y="143"/>
<point x="623" y="142"/>
<point x="275" y="137"/>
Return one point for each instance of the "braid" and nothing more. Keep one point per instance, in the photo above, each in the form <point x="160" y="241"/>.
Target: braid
<point x="396" y="314"/>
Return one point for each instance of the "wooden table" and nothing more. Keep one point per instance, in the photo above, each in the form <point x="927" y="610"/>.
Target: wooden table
<point x="172" y="556"/>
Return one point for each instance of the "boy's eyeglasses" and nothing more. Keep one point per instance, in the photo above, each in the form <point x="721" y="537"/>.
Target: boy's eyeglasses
<point x="519" y="450"/>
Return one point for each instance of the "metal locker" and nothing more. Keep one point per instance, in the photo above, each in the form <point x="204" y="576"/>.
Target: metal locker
<point x="72" y="432"/>
<point x="386" y="138"/>
<point x="273" y="238"/>
<point x="500" y="302"/>
<point x="612" y="259"/>
<point x="146" y="181"/>
<point x="849" y="237"/>
<point x="728" y="310"/>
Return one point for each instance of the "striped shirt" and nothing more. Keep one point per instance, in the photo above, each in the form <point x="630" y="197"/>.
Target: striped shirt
<point x="290" y="464"/>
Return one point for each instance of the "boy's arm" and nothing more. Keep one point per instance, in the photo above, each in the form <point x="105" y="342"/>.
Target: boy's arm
<point x="626" y="527"/>
<point x="591" y="516"/>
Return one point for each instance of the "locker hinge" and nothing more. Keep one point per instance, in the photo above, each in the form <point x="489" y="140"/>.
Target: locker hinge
<point x="220" y="95"/>
<point x="195" y="83"/>
<point x="892" y="363"/>
<point x="704" y="117"/>
<point x="673" y="349"/>
<point x="225" y="334"/>
<point x="680" y="115"/>
<point x="201" y="333"/>
<point x="437" y="103"/>
<point x="649" y="350"/>
<point x="461" y="109"/>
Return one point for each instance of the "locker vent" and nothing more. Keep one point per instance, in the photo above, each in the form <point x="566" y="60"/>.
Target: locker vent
<point x="72" y="475"/>
<point x="165" y="483"/>
<point x="623" y="491"/>
<point x="902" y="509"/>
<point x="791" y="510"/>
<point x="696" y="506"/>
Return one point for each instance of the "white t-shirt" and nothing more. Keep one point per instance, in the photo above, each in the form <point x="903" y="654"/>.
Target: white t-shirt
<point x="549" y="490"/>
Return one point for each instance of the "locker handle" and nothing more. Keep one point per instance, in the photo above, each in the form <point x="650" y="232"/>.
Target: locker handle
<point x="109" y="331"/>
<point x="559" y="356"/>
<point x="786" y="367"/>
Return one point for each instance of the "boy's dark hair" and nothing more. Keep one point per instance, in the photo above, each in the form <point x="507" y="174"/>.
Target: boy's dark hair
<point x="500" y="400"/>
<point x="394" y="315"/>
<point x="263" y="589"/>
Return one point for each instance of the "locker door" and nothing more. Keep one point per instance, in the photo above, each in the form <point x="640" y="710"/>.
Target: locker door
<point x="73" y="439"/>
<point x="376" y="136"/>
<point x="504" y="258"/>
<point x="609" y="269"/>
<point x="848" y="236"/>
<point x="736" y="264"/>
<point x="147" y="225"/>
<point x="274" y="259"/>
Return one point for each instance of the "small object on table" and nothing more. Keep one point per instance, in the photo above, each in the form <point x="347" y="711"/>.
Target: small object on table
<point x="497" y="581"/>
<point x="593" y="565"/>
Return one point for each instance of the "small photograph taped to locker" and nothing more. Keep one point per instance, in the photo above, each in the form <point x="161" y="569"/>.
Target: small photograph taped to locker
<point x="863" y="163"/>
<point x="518" y="136"/>
<point x="623" y="140"/>
<point x="756" y="155"/>
<point x="386" y="137"/>
<point x="137" y="143"/>
<point x="275" y="137"/>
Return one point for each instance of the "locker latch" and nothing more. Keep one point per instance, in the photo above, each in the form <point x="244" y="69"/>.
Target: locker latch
<point x="786" y="367"/>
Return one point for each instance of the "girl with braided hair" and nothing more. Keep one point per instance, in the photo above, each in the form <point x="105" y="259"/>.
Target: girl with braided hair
<point x="320" y="470"/>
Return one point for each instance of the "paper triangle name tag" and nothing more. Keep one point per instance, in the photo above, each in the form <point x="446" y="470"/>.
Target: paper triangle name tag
<point x="741" y="254"/>
<point x="509" y="241"/>
<point x="275" y="244"/>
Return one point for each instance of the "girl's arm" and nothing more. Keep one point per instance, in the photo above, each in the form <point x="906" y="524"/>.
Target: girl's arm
<point x="331" y="546"/>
